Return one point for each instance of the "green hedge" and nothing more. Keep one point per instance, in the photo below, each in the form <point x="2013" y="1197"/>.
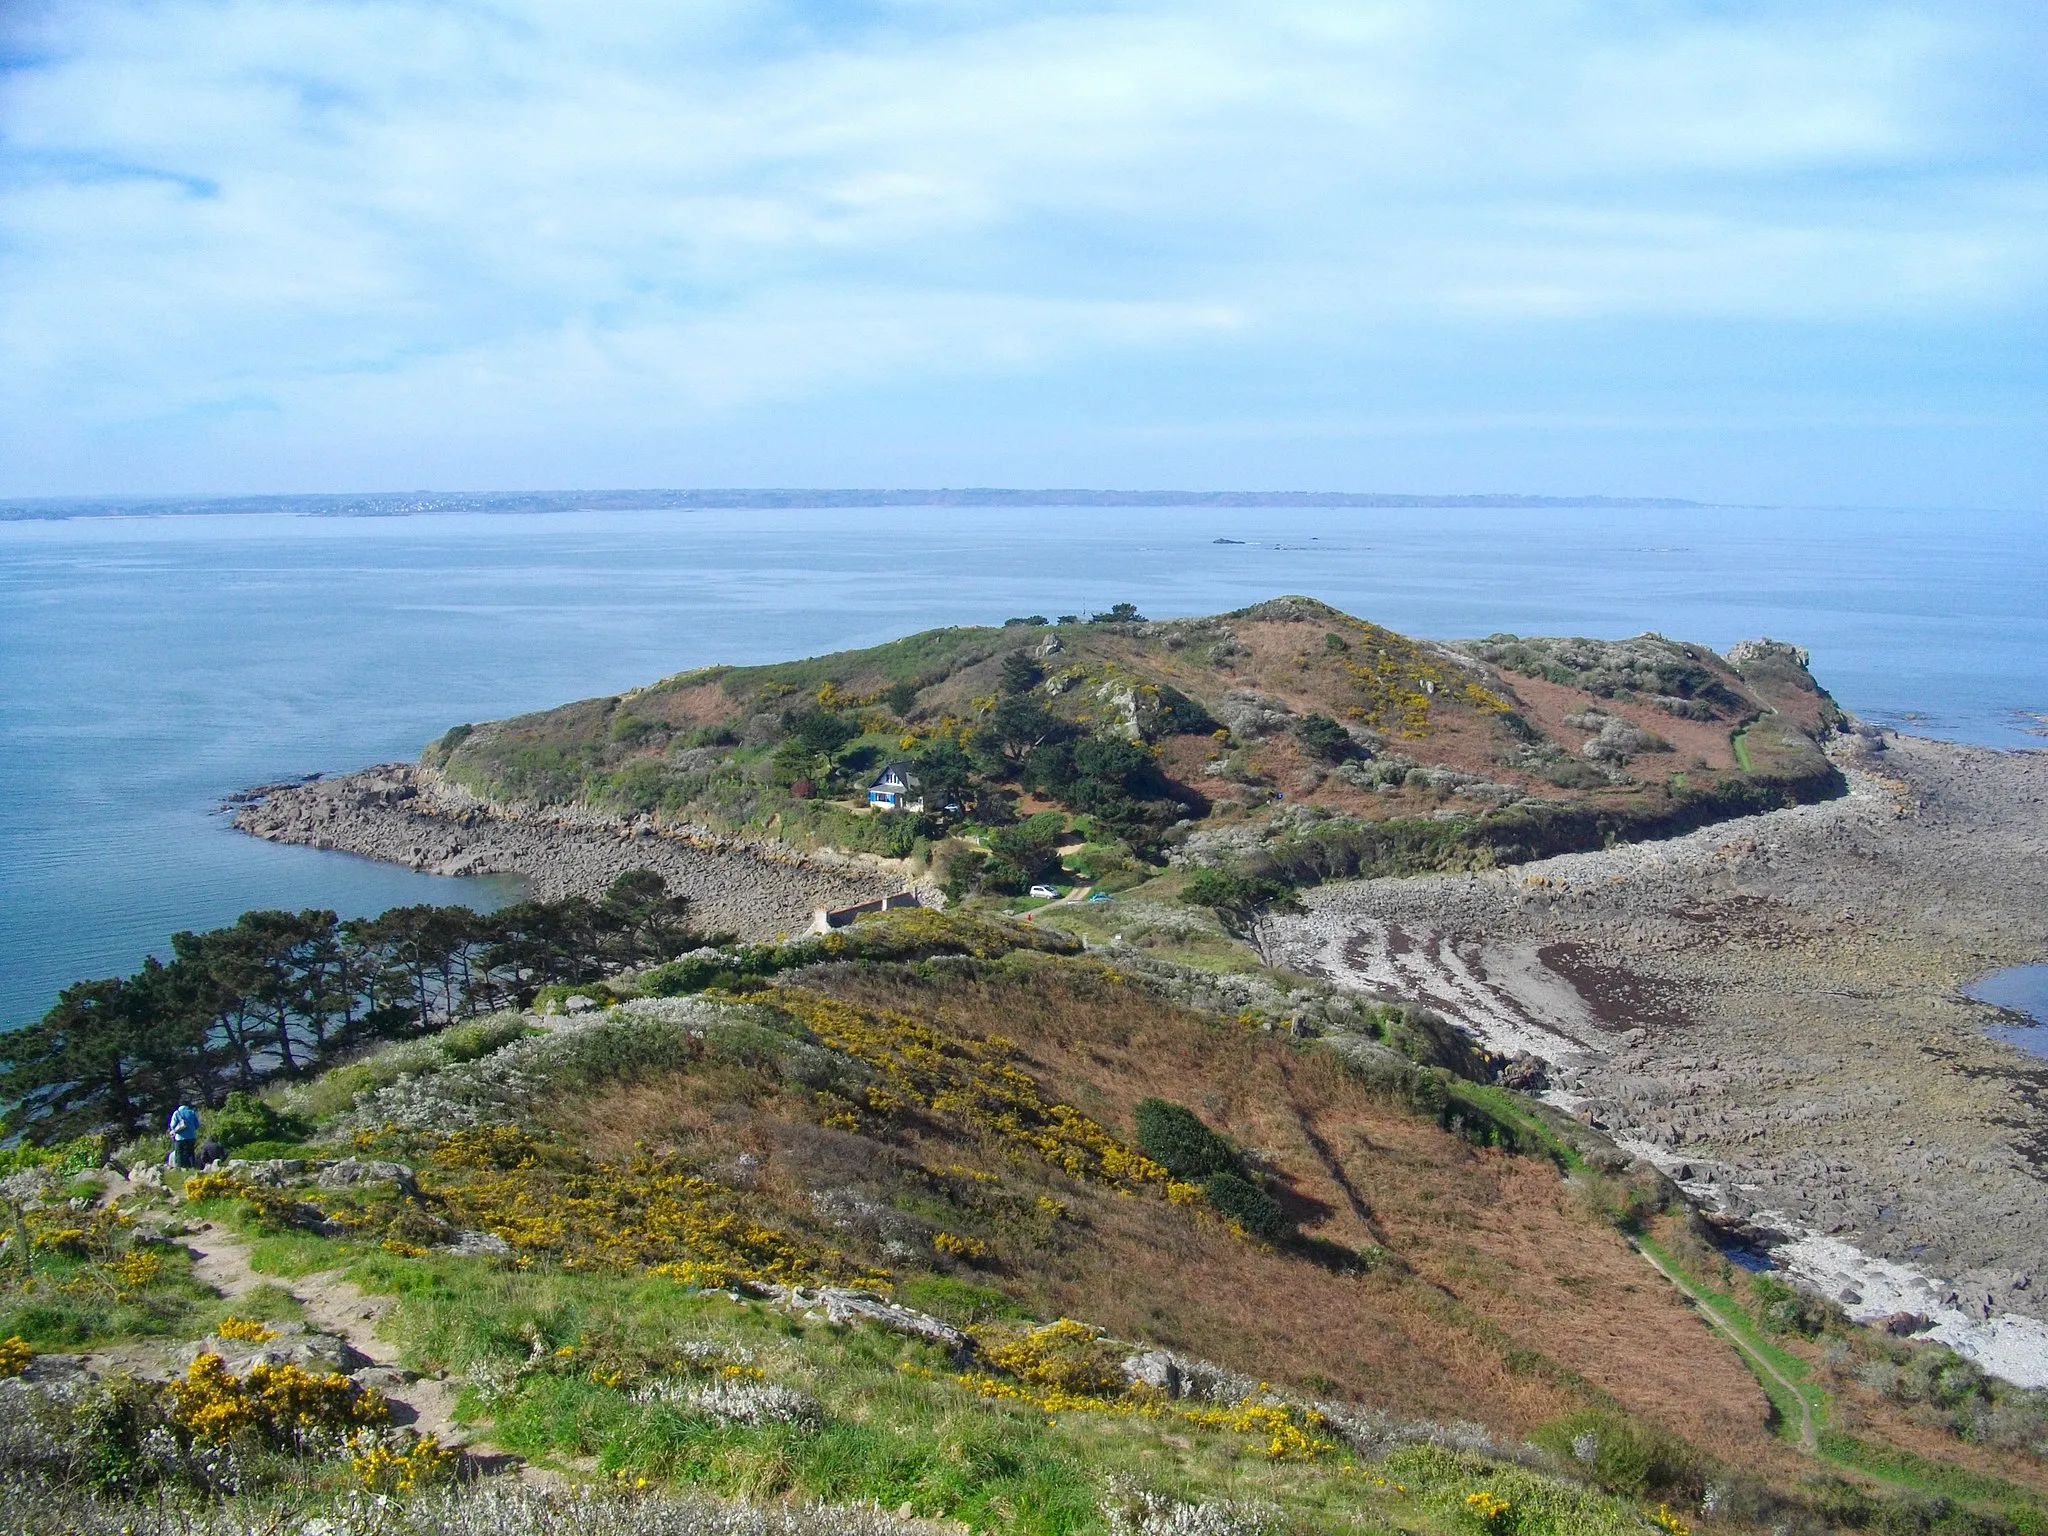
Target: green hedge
<point x="1174" y="1137"/>
<point x="1246" y="1204"/>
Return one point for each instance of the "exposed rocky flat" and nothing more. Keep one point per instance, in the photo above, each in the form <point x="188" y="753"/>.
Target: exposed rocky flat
<point x="405" y="815"/>
<point x="1773" y="1006"/>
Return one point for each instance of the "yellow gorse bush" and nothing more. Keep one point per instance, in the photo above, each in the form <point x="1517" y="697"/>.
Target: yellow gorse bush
<point x="972" y="1083"/>
<point x="243" y="1330"/>
<point x="956" y="1246"/>
<point x="215" y="1184"/>
<point x="1067" y="1367"/>
<point x="103" y="1238"/>
<point x="549" y="1201"/>
<point x="382" y="1470"/>
<point x="281" y="1403"/>
<point x="1290" y="1433"/>
<point x="1396" y="681"/>
<point x="1665" y="1520"/>
<point x="15" y="1354"/>
<point x="136" y="1269"/>
<point x="1065" y="1355"/>
<point x="1489" y="1509"/>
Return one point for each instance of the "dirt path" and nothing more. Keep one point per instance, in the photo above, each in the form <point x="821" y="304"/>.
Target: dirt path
<point x="333" y="1305"/>
<point x="1809" y="1437"/>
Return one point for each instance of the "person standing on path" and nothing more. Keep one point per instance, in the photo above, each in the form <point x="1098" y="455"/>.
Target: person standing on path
<point x="184" y="1129"/>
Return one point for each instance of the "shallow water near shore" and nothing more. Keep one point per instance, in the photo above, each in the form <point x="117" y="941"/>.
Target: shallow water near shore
<point x="150" y="666"/>
<point x="2020" y="989"/>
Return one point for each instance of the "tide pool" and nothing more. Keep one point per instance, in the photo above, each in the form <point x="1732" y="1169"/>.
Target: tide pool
<point x="2021" y="989"/>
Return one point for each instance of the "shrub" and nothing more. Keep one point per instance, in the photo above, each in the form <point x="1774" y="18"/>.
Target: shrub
<point x="1323" y="738"/>
<point x="244" y="1119"/>
<point x="208" y="1430"/>
<point x="1246" y="1204"/>
<point x="1174" y="1136"/>
<point x="755" y="1404"/>
<point x="1030" y="847"/>
<point x="1622" y="1456"/>
<point x="479" y="1037"/>
<point x="1784" y="1308"/>
<point x="264" y="1151"/>
<point x="1180" y="715"/>
<point x="963" y="872"/>
<point x="1066" y="1356"/>
<point x="1237" y="900"/>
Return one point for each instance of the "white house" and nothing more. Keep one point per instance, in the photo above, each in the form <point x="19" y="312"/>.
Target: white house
<point x="896" y="789"/>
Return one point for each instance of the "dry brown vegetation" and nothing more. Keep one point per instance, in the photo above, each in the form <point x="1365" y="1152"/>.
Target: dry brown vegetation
<point x="1436" y="1278"/>
<point x="1545" y="705"/>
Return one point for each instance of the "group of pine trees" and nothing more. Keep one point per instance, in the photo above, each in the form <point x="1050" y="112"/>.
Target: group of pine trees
<point x="286" y="993"/>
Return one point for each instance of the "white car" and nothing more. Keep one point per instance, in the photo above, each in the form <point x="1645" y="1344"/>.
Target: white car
<point x="1046" y="891"/>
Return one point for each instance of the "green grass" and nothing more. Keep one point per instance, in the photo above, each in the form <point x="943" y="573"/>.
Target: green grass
<point x="71" y="1307"/>
<point x="1883" y="1463"/>
<point x="898" y="1428"/>
<point x="1515" y="1110"/>
<point x="1740" y="742"/>
<point x="288" y="1254"/>
<point x="1910" y="1470"/>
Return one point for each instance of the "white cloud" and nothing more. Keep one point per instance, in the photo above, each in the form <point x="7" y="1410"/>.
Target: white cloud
<point x="322" y="213"/>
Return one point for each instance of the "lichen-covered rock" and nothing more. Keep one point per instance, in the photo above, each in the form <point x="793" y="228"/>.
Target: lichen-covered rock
<point x="353" y="1172"/>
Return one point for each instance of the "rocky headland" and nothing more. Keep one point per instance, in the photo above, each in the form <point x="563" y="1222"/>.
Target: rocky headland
<point x="405" y="814"/>
<point x="1771" y="1009"/>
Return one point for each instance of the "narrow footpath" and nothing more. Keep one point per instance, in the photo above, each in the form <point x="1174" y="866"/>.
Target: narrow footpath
<point x="332" y="1305"/>
<point x="1809" y="1436"/>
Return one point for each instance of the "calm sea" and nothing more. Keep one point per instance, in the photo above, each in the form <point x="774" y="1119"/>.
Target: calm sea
<point x="150" y="666"/>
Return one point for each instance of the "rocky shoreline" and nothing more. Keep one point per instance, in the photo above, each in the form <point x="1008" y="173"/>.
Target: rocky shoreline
<point x="404" y="814"/>
<point x="1771" y="1010"/>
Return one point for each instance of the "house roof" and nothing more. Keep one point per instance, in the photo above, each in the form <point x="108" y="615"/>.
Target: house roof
<point x="900" y="771"/>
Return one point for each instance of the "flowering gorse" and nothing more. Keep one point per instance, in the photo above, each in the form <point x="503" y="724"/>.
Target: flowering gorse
<point x="281" y="1405"/>
<point x="382" y="1468"/>
<point x="969" y="1082"/>
<point x="243" y="1330"/>
<point x="1489" y="1509"/>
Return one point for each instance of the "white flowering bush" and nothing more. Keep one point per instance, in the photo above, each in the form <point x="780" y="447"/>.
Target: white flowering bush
<point x="1133" y="1511"/>
<point x="755" y="1404"/>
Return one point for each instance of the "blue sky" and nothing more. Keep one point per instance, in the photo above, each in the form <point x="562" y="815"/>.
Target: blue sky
<point x="1781" y="253"/>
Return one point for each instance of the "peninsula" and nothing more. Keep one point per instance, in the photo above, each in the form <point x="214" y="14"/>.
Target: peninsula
<point x="1680" y="894"/>
<point x="1326" y="1081"/>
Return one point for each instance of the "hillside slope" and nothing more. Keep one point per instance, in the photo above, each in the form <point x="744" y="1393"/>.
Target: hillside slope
<point x="948" y="1215"/>
<point x="1268" y="720"/>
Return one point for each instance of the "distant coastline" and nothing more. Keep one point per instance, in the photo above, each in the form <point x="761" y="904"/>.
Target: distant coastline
<point x="427" y="503"/>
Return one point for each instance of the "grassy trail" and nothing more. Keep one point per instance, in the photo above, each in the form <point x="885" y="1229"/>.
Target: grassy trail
<point x="1809" y="1405"/>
